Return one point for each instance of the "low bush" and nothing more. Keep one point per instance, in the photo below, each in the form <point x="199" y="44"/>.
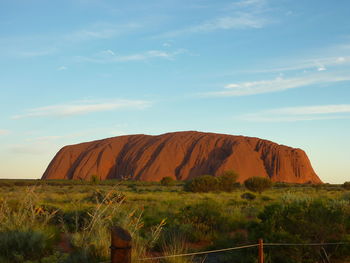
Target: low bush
<point x="226" y="182"/>
<point x="166" y="181"/>
<point x="94" y="179"/>
<point x="204" y="183"/>
<point x="258" y="184"/>
<point x="266" y="198"/>
<point x="100" y="196"/>
<point x="204" y="220"/>
<point x="248" y="196"/>
<point x="314" y="221"/>
<point x="346" y="185"/>
<point x="20" y="246"/>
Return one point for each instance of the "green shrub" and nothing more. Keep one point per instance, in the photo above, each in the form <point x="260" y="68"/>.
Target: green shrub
<point x="227" y="181"/>
<point x="203" y="220"/>
<point x="57" y="257"/>
<point x="248" y="196"/>
<point x="100" y="196"/>
<point x="24" y="213"/>
<point x="282" y="185"/>
<point x="346" y="196"/>
<point x="94" y="179"/>
<point x="75" y="220"/>
<point x="203" y="183"/>
<point x="258" y="184"/>
<point x="133" y="187"/>
<point x="207" y="183"/>
<point x="266" y="198"/>
<point x="166" y="181"/>
<point x="19" y="246"/>
<point x="346" y="185"/>
<point x="314" y="221"/>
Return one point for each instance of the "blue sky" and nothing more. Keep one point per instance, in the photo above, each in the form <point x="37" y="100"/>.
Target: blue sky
<point x="79" y="70"/>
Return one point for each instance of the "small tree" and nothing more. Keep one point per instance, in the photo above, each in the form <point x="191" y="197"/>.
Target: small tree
<point x="346" y="185"/>
<point x="258" y="184"/>
<point x="203" y="183"/>
<point x="227" y="180"/>
<point x="166" y="181"/>
<point x="94" y="179"/>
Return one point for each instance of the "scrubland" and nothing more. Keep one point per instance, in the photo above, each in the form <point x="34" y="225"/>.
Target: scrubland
<point x="69" y="221"/>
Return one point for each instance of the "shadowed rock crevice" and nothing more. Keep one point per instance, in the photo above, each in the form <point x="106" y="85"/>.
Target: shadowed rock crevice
<point x="214" y="160"/>
<point x="181" y="155"/>
<point x="122" y="167"/>
<point x="178" y="169"/>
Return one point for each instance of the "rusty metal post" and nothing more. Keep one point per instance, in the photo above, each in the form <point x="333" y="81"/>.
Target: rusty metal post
<point x="120" y="246"/>
<point x="261" y="251"/>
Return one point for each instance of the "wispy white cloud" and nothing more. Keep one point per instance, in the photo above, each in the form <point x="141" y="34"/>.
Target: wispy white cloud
<point x="238" y="15"/>
<point x="275" y="85"/>
<point x="166" y="44"/>
<point x="110" y="52"/>
<point x="4" y="132"/>
<point x="100" y="31"/>
<point x="320" y="109"/>
<point x="31" y="148"/>
<point x="38" y="145"/>
<point x="83" y="107"/>
<point x="49" y="144"/>
<point x="109" y="56"/>
<point x="320" y="64"/>
<point x="244" y="3"/>
<point x="48" y="138"/>
<point x="237" y="21"/>
<point x="303" y="113"/>
<point x="62" y="68"/>
<point x="30" y="46"/>
<point x="36" y="53"/>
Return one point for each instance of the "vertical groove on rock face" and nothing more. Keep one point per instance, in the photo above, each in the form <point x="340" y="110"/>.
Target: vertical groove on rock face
<point x="220" y="153"/>
<point x="100" y="155"/>
<point x="76" y="164"/>
<point x="123" y="167"/>
<point x="181" y="155"/>
<point x="203" y="152"/>
<point x="154" y="155"/>
<point x="261" y="149"/>
<point x="185" y="160"/>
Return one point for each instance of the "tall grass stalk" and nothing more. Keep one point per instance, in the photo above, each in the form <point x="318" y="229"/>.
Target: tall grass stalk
<point x="26" y="214"/>
<point x="176" y="245"/>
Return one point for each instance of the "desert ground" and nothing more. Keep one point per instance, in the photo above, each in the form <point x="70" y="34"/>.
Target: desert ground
<point x="70" y="221"/>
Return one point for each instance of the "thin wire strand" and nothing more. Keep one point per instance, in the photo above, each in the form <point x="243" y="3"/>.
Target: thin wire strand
<point x="200" y="253"/>
<point x="241" y="247"/>
<point x="300" y="244"/>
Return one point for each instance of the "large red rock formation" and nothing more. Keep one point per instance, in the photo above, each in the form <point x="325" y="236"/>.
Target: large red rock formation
<point x="181" y="155"/>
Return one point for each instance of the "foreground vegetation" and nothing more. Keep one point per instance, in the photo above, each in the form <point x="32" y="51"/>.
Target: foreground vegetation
<point x="69" y="221"/>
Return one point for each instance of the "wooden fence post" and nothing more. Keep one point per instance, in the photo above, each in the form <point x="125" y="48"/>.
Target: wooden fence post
<point x="120" y="246"/>
<point x="261" y="251"/>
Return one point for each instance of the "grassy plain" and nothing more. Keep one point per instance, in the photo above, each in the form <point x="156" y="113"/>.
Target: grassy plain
<point x="69" y="221"/>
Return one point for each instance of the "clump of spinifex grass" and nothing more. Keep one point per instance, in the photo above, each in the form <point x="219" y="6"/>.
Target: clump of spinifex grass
<point x="175" y="244"/>
<point x="29" y="232"/>
<point x="25" y="214"/>
<point x="24" y="230"/>
<point x="92" y="240"/>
